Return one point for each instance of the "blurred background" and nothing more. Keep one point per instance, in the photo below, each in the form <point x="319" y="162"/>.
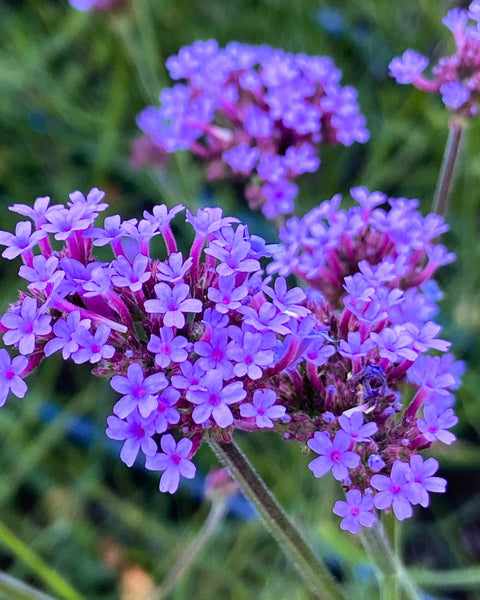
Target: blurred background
<point x="71" y="85"/>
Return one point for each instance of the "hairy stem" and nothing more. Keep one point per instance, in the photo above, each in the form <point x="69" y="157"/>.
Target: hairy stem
<point x="448" y="168"/>
<point x="392" y="574"/>
<point x="311" y="567"/>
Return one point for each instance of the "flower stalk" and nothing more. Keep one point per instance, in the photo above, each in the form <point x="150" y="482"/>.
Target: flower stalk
<point x="449" y="166"/>
<point x="311" y="567"/>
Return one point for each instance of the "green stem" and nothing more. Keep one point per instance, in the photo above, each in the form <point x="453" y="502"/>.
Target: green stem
<point x="51" y="578"/>
<point x="448" y="168"/>
<point x="14" y="589"/>
<point x="213" y="520"/>
<point x="314" y="571"/>
<point x="392" y="574"/>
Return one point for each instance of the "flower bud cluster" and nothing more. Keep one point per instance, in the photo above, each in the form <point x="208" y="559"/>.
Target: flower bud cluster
<point x="456" y="77"/>
<point x="369" y="269"/>
<point x="255" y="113"/>
<point x="190" y="344"/>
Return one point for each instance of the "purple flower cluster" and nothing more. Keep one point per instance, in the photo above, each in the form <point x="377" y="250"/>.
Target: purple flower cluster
<point x="97" y="5"/>
<point x="456" y="77"/>
<point x="372" y="300"/>
<point x="190" y="343"/>
<point x="255" y="113"/>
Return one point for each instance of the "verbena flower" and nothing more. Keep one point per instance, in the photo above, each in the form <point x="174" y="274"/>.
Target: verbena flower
<point x="207" y="343"/>
<point x="256" y="114"/>
<point x="367" y="270"/>
<point x="187" y="342"/>
<point x="456" y="77"/>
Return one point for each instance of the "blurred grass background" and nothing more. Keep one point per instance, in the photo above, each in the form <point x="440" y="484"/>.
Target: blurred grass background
<point x="71" y="84"/>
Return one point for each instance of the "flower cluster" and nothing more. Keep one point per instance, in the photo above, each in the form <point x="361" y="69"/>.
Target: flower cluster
<point x="254" y="113"/>
<point x="456" y="77"/>
<point x="373" y="301"/>
<point x="190" y="343"/>
<point x="97" y="5"/>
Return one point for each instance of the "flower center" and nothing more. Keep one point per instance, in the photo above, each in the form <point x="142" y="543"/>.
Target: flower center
<point x="354" y="511"/>
<point x="336" y="456"/>
<point x="215" y="399"/>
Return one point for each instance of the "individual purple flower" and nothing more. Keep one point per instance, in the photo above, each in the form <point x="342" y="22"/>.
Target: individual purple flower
<point x="172" y="303"/>
<point x="454" y="94"/>
<point x="10" y="375"/>
<point x="289" y="301"/>
<point x="139" y="391"/>
<point x="428" y="371"/>
<point x="250" y="353"/>
<point x="407" y="67"/>
<point x="353" y="425"/>
<point x="279" y="198"/>
<point x="208" y="220"/>
<point x="353" y="347"/>
<point x="228" y="295"/>
<point x="394" y="344"/>
<point x="318" y="351"/>
<point x="241" y="158"/>
<point x="64" y="221"/>
<point x="131" y="275"/>
<point x="421" y="475"/>
<point x="395" y="491"/>
<point x="24" y="324"/>
<point x="334" y="456"/>
<point x="165" y="413"/>
<point x="375" y="462"/>
<point x="425" y="338"/>
<point x="20" y="242"/>
<point x="37" y="212"/>
<point x="213" y="354"/>
<point x="266" y="318"/>
<point x="212" y="399"/>
<point x="263" y="408"/>
<point x="174" y="270"/>
<point x="162" y="215"/>
<point x="435" y="426"/>
<point x="190" y="377"/>
<point x="356" y="511"/>
<point x="65" y="331"/>
<point x="302" y="159"/>
<point x="110" y="232"/>
<point x="233" y="259"/>
<point x="137" y="433"/>
<point x="92" y="347"/>
<point x="173" y="461"/>
<point x="168" y="347"/>
<point x="42" y="272"/>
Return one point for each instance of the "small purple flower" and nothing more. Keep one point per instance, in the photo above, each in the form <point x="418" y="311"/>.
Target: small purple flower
<point x="25" y="324"/>
<point x="318" y="351"/>
<point x="333" y="455"/>
<point x="241" y="158"/>
<point x="38" y="212"/>
<point x="175" y="269"/>
<point x="42" y="272"/>
<point x="173" y="461"/>
<point x="139" y="391"/>
<point x="454" y="94"/>
<point x="353" y="347"/>
<point x="435" y="426"/>
<point x="235" y="258"/>
<point x="250" y="354"/>
<point x="64" y="221"/>
<point x="21" y="241"/>
<point x="228" y="295"/>
<point x="168" y="347"/>
<point x="137" y="433"/>
<point x="279" y="198"/>
<point x="213" y="400"/>
<point x="172" y="303"/>
<point x="162" y="215"/>
<point x="214" y="353"/>
<point x="10" y="379"/>
<point x="65" y="332"/>
<point x="190" y="377"/>
<point x="375" y="462"/>
<point x="266" y="318"/>
<point x="289" y="301"/>
<point x="396" y="491"/>
<point x="93" y="348"/>
<point x="353" y="425"/>
<point x="165" y="413"/>
<point x="407" y="67"/>
<point x="208" y="220"/>
<point x="131" y="275"/>
<point x="421" y="475"/>
<point x="263" y="408"/>
<point x="356" y="511"/>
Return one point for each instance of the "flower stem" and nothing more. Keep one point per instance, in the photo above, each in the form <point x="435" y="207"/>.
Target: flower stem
<point x="312" y="568"/>
<point x="17" y="590"/>
<point x="448" y="168"/>
<point x="213" y="520"/>
<point x="392" y="574"/>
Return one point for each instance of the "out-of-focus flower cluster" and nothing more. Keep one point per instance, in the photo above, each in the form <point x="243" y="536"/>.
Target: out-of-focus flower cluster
<point x="369" y="269"/>
<point x="207" y="343"/>
<point x="191" y="343"/>
<point x="254" y="113"/>
<point x="456" y="77"/>
<point x="97" y="5"/>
